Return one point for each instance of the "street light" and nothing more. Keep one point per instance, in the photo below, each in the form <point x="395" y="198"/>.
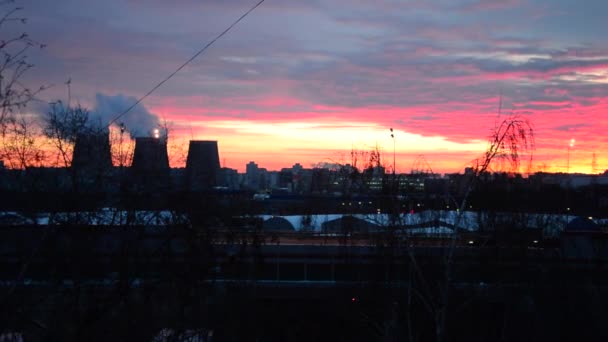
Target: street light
<point x="393" y="136"/>
<point x="571" y="145"/>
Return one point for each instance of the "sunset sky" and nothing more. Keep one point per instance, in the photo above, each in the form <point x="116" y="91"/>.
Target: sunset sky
<point x="306" y="81"/>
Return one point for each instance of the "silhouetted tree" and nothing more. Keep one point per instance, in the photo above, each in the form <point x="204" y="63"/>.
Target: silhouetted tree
<point x="63" y="125"/>
<point x="510" y="140"/>
<point x="21" y="144"/>
<point x="17" y="131"/>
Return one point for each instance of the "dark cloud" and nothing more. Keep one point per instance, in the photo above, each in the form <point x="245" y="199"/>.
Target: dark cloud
<point x="571" y="127"/>
<point x="489" y="5"/>
<point x="423" y="118"/>
<point x="540" y="65"/>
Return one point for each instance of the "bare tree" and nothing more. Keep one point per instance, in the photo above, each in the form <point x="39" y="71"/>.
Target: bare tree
<point x="16" y="130"/>
<point x="177" y="148"/>
<point x="21" y="143"/>
<point x="510" y="140"/>
<point x="122" y="145"/>
<point x="62" y="126"/>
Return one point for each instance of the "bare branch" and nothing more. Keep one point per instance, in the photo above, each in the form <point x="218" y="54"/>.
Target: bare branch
<point x="19" y="134"/>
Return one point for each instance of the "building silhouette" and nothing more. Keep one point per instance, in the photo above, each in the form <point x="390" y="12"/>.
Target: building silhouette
<point x="202" y="165"/>
<point x="91" y="161"/>
<point x="150" y="167"/>
<point x="92" y="152"/>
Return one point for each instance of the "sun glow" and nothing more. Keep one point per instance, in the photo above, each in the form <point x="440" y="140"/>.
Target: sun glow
<point x="276" y="144"/>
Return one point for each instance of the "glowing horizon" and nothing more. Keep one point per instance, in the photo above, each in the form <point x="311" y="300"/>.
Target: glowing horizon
<point x="241" y="141"/>
<point x="287" y="143"/>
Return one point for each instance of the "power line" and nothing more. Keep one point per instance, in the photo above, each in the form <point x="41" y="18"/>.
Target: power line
<point x="185" y="63"/>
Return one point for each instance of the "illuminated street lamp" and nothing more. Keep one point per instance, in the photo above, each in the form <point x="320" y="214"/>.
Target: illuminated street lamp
<point x="571" y="145"/>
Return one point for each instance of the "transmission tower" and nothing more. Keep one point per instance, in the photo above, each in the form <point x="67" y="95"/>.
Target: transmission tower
<point x="421" y="167"/>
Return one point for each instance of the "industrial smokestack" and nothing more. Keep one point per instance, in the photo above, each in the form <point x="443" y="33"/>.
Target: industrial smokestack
<point x="91" y="161"/>
<point x="92" y="152"/>
<point x="202" y="165"/>
<point x="150" y="155"/>
<point x="150" y="167"/>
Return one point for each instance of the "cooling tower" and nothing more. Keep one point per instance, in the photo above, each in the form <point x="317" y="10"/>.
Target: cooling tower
<point x="150" y="155"/>
<point x="202" y="165"/>
<point x="92" y="152"/>
<point x="150" y="167"/>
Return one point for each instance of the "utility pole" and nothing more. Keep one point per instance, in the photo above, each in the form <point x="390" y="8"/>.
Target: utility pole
<point x="393" y="136"/>
<point x="569" y="147"/>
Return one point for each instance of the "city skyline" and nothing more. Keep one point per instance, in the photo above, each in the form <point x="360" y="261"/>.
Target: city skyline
<point x="308" y="82"/>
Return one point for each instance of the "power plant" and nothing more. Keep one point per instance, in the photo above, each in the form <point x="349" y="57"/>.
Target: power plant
<point x="150" y="170"/>
<point x="91" y="161"/>
<point x="92" y="152"/>
<point x="141" y="234"/>
<point x="150" y="155"/>
<point x="202" y="165"/>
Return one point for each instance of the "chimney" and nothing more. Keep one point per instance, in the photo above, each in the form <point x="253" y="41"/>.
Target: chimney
<point x="150" y="167"/>
<point x="202" y="165"/>
<point x="150" y="155"/>
<point x="92" y="152"/>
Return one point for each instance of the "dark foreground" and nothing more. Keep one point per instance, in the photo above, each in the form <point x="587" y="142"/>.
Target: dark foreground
<point x="131" y="283"/>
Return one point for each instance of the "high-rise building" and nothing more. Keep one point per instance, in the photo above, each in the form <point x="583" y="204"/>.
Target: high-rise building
<point x="252" y="176"/>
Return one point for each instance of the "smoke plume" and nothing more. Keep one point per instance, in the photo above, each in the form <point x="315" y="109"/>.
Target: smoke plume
<point x="138" y="121"/>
